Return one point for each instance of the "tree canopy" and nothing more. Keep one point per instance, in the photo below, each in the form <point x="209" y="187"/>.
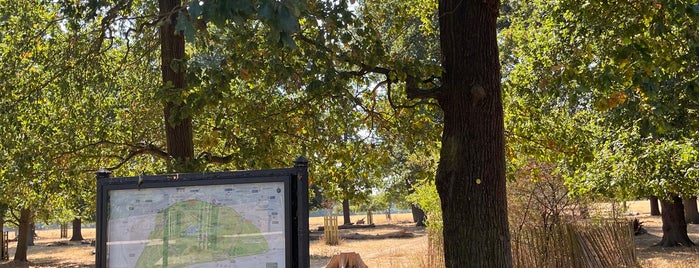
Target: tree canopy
<point x="605" y="91"/>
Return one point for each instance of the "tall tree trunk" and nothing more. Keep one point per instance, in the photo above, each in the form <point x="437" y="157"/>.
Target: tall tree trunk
<point x="691" y="214"/>
<point x="346" y="211"/>
<point x="418" y="215"/>
<point x="654" y="208"/>
<point x="25" y="218"/>
<point x="77" y="230"/>
<point x="674" y="225"/>
<point x="471" y="172"/>
<point x="178" y="124"/>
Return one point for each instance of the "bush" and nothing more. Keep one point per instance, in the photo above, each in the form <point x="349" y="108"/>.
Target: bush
<point x="427" y="198"/>
<point x="538" y="197"/>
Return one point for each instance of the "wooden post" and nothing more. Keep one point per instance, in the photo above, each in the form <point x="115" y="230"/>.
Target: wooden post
<point x="331" y="231"/>
<point x="369" y="218"/>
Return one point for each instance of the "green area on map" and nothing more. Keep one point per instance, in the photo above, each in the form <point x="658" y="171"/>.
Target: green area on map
<point x="200" y="232"/>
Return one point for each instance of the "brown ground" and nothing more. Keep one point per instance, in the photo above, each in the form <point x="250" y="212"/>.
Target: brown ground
<point x="653" y="256"/>
<point x="52" y="251"/>
<point x="405" y="252"/>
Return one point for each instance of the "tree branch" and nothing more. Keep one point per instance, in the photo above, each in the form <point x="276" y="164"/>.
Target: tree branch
<point x="539" y="143"/>
<point x="414" y="91"/>
<point x="210" y="158"/>
<point x="149" y="149"/>
<point x="425" y="100"/>
<point x="412" y="88"/>
<point x="14" y="216"/>
<point x="137" y="149"/>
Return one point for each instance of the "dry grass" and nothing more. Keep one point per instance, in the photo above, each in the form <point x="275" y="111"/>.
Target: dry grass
<point x="403" y="252"/>
<point x="46" y="252"/>
<point x="407" y="252"/>
<point x="654" y="256"/>
<point x="375" y="253"/>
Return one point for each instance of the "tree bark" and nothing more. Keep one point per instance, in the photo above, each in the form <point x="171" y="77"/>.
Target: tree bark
<point x="346" y="212"/>
<point x="674" y="225"/>
<point x="654" y="208"/>
<point x="418" y="215"/>
<point x="471" y="172"/>
<point x="77" y="230"/>
<point x="691" y="214"/>
<point x="178" y="123"/>
<point x="25" y="218"/>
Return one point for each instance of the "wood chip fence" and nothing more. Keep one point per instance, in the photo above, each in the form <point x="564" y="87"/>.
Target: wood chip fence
<point x="435" y="248"/>
<point x="64" y="230"/>
<point x="331" y="230"/>
<point x="577" y="246"/>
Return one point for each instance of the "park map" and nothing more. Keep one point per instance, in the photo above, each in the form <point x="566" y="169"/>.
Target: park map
<point x="239" y="225"/>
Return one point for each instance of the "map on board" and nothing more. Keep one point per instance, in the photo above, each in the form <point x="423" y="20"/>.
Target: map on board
<point x="232" y="225"/>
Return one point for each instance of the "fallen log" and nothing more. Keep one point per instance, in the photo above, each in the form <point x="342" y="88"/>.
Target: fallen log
<point x="353" y="226"/>
<point x="397" y="234"/>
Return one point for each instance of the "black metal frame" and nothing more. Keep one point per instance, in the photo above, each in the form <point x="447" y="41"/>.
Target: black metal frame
<point x="296" y="201"/>
<point x="4" y="246"/>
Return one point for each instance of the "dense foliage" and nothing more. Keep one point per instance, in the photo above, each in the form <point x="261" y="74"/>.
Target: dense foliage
<point x="603" y="95"/>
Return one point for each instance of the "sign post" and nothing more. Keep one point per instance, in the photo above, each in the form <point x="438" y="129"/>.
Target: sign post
<point x="4" y="249"/>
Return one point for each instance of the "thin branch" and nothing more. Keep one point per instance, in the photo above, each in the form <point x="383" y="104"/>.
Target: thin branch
<point x="414" y="91"/>
<point x="210" y="158"/>
<point x="89" y="145"/>
<point x="14" y="216"/>
<point x="389" y="91"/>
<point x="412" y="88"/>
<point x="539" y="143"/>
<point x="149" y="149"/>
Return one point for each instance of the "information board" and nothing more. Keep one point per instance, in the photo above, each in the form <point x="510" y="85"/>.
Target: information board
<point x="225" y="219"/>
